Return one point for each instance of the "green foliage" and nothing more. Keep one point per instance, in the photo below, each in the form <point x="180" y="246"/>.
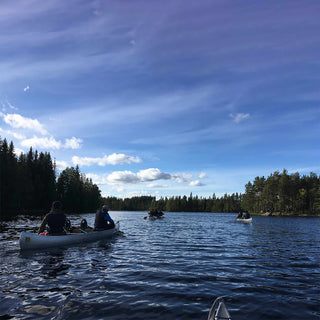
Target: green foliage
<point x="228" y="203"/>
<point x="130" y="204"/>
<point x="284" y="193"/>
<point x="28" y="184"/>
<point x="76" y="192"/>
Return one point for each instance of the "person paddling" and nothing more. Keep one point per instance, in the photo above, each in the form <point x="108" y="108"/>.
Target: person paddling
<point x="55" y="219"/>
<point x="246" y="215"/>
<point x="103" y="220"/>
<point x="240" y="215"/>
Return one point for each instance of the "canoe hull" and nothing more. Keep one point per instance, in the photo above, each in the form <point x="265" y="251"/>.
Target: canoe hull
<point x="31" y="241"/>
<point x="155" y="218"/>
<point x="219" y="310"/>
<point x="245" y="220"/>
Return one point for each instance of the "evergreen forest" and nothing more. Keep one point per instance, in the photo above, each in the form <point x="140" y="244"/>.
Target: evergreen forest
<point x="29" y="184"/>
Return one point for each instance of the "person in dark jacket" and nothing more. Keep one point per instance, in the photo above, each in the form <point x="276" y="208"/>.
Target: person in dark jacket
<point x="55" y="219"/>
<point x="246" y="215"/>
<point x="240" y="215"/>
<point x="103" y="220"/>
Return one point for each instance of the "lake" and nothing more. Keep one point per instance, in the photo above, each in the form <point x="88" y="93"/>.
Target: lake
<point x="171" y="268"/>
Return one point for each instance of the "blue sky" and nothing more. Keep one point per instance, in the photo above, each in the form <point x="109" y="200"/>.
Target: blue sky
<point x="164" y="98"/>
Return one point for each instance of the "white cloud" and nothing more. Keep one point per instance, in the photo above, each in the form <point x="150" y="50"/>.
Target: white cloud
<point x="113" y="159"/>
<point x="195" y="183"/>
<point x="17" y="135"/>
<point x="61" y="165"/>
<point x="26" y="88"/>
<point x="50" y="143"/>
<point x="122" y="158"/>
<point x="18" y="151"/>
<point x="152" y="174"/>
<point x="17" y="121"/>
<point x="181" y="177"/>
<point x="14" y="134"/>
<point x="46" y="142"/>
<point x="122" y="177"/>
<point x="97" y="179"/>
<point x="239" y="117"/>
<point x="73" y="143"/>
<point x="202" y="175"/>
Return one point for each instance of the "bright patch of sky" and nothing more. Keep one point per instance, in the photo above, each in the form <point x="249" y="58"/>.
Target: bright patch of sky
<point x="163" y="98"/>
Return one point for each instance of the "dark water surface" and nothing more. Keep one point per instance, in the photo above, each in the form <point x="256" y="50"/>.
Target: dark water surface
<point x="172" y="268"/>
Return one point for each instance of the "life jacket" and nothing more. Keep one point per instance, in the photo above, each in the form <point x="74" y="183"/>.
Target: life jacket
<point x="56" y="222"/>
<point x="101" y="223"/>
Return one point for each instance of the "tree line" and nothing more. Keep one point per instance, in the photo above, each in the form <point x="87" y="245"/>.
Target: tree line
<point x="227" y="203"/>
<point x="280" y="192"/>
<point x="283" y="193"/>
<point x="28" y="184"/>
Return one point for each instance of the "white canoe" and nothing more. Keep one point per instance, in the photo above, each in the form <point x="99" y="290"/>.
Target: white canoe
<point x="219" y="311"/>
<point x="29" y="240"/>
<point x="244" y="220"/>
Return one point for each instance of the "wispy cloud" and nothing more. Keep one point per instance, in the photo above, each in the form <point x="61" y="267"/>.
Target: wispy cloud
<point x="202" y="175"/>
<point x="156" y="186"/>
<point x="239" y="117"/>
<point x="113" y="159"/>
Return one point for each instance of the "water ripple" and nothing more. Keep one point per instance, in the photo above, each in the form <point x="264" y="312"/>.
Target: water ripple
<point x="167" y="269"/>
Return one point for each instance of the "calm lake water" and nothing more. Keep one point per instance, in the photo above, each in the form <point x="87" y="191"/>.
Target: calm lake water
<point x="172" y="268"/>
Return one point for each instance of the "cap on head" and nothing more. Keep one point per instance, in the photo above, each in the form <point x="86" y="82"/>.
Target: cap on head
<point x="56" y="205"/>
<point x="105" y="208"/>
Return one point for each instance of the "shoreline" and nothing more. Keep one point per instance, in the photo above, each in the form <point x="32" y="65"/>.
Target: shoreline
<point x="285" y="214"/>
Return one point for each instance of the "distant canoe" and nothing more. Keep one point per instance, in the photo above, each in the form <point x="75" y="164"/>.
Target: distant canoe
<point x="155" y="217"/>
<point x="155" y="214"/>
<point x="249" y="220"/>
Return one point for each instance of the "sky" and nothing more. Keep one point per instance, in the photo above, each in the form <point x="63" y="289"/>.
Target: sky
<point x="163" y="98"/>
